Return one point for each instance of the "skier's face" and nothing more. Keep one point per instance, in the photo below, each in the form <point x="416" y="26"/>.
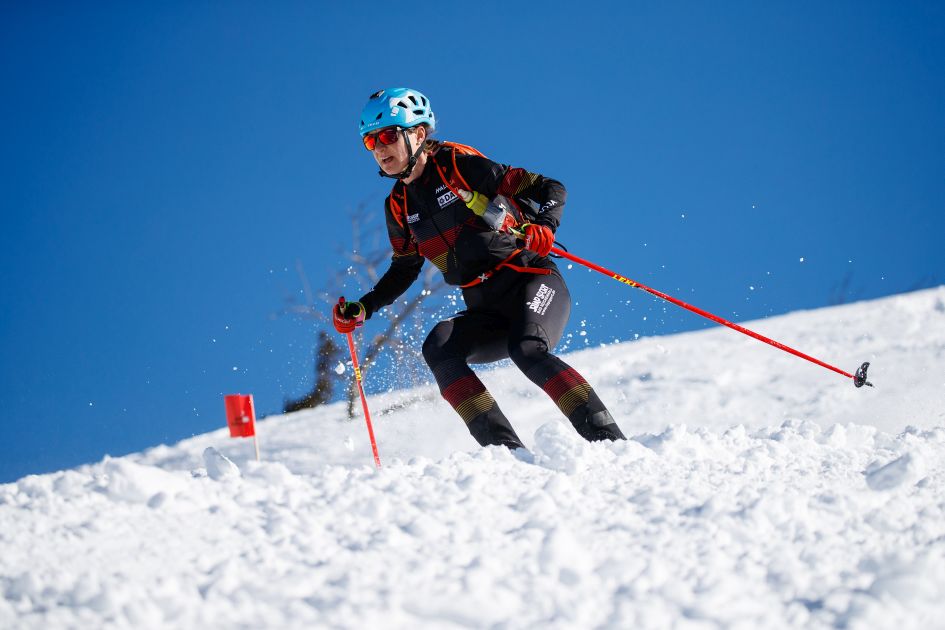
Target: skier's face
<point x="393" y="158"/>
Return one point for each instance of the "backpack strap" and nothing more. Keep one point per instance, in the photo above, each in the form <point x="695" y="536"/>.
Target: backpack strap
<point x="465" y="149"/>
<point x="399" y="211"/>
<point x="454" y="147"/>
<point x="512" y="219"/>
<point x="506" y="264"/>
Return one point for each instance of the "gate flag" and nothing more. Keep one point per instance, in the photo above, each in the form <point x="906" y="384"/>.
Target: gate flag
<point x="240" y="415"/>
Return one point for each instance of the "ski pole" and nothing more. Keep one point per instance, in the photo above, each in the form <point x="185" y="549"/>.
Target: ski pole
<point x="859" y="379"/>
<point x="357" y="376"/>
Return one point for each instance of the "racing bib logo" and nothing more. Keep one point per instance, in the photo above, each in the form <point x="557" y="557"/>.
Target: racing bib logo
<point x="446" y="199"/>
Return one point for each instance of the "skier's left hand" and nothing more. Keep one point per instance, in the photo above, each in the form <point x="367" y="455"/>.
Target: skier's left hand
<point x="346" y="316"/>
<point x="538" y="238"/>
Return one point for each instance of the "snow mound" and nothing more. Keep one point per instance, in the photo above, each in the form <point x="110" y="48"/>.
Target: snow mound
<point x="125" y="480"/>
<point x="747" y="498"/>
<point x="559" y="448"/>
<point x="779" y="527"/>
<point x="905" y="469"/>
<point x="219" y="467"/>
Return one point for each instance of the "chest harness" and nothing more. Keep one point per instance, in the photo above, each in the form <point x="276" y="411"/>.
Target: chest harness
<point x="510" y="220"/>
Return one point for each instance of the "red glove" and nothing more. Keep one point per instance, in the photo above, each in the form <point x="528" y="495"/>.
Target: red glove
<point x="346" y="316"/>
<point x="538" y="238"/>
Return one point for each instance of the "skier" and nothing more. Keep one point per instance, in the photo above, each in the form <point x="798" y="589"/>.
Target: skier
<point x="453" y="206"/>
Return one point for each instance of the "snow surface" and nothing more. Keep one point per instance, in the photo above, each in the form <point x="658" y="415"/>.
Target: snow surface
<point x="758" y="492"/>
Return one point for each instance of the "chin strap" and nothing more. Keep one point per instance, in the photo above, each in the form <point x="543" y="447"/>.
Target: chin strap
<point x="404" y="174"/>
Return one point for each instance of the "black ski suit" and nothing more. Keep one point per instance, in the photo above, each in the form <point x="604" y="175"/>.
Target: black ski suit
<point x="517" y="302"/>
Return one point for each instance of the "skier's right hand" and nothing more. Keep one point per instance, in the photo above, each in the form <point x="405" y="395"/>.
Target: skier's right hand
<point x="538" y="238"/>
<point x="346" y="316"/>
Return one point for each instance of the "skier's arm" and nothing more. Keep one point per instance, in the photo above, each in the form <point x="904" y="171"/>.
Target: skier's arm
<point x="405" y="266"/>
<point x="545" y="195"/>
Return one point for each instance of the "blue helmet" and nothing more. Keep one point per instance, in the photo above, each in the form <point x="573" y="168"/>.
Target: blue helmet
<point x="402" y="107"/>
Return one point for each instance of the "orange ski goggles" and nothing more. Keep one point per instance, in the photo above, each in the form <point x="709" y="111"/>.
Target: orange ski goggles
<point x="387" y="135"/>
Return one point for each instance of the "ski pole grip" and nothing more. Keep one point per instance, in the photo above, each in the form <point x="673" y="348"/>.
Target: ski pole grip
<point x="518" y="235"/>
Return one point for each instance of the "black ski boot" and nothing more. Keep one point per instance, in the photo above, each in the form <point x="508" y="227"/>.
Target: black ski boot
<point x="595" y="424"/>
<point x="492" y="427"/>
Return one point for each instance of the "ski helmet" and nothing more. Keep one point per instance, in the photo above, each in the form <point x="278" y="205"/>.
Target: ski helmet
<point x="398" y="106"/>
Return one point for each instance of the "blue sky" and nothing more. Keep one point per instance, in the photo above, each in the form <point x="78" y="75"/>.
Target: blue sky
<point x="163" y="168"/>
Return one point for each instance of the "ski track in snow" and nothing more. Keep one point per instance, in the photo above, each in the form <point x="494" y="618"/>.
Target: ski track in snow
<point x="758" y="492"/>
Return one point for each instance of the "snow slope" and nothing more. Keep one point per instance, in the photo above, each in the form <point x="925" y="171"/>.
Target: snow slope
<point x="759" y="491"/>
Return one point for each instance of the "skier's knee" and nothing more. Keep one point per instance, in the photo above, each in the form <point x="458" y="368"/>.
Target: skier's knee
<point x="434" y="345"/>
<point x="530" y="347"/>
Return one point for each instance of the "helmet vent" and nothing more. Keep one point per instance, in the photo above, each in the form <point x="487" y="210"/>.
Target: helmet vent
<point x="400" y="107"/>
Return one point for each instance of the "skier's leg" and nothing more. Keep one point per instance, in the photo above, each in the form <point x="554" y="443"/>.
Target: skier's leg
<point x="537" y="328"/>
<point x="446" y="350"/>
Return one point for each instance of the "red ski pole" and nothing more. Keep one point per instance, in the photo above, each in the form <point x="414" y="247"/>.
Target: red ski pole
<point x="357" y="376"/>
<point x="859" y="379"/>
